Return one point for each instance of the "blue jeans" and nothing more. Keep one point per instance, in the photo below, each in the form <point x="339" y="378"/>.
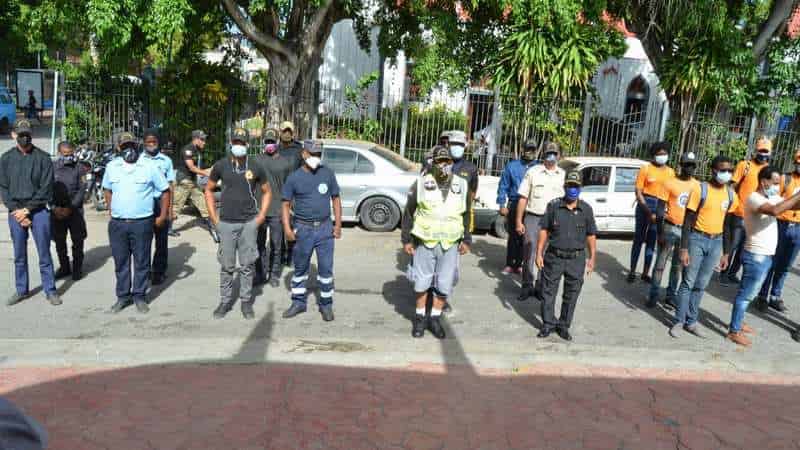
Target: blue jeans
<point x="785" y="254"/>
<point x="704" y="254"/>
<point x="671" y="246"/>
<point x="40" y="228"/>
<point x="755" y="271"/>
<point x="646" y="233"/>
<point x="131" y="240"/>
<point x="312" y="238"/>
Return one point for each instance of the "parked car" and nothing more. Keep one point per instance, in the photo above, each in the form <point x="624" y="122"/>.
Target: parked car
<point x="609" y="187"/>
<point x="374" y="183"/>
<point x="8" y="111"/>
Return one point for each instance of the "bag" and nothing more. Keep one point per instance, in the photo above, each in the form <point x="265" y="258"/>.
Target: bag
<point x="704" y="194"/>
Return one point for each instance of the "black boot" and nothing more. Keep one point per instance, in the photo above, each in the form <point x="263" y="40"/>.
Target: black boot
<point x="418" y="326"/>
<point x="63" y="271"/>
<point x="222" y="310"/>
<point x="435" y="325"/>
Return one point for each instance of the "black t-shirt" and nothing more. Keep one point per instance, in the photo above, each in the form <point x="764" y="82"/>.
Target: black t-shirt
<point x="241" y="188"/>
<point x="465" y="169"/>
<point x="188" y="153"/>
<point x="568" y="228"/>
<point x="292" y="152"/>
<point x="278" y="168"/>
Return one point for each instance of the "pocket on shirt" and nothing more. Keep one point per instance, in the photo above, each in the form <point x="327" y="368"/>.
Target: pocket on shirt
<point x="538" y="191"/>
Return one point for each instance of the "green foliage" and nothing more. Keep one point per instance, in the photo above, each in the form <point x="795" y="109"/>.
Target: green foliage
<point x="83" y="122"/>
<point x="553" y="48"/>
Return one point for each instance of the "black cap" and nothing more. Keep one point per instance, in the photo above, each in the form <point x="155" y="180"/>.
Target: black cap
<point x="688" y="158"/>
<point x="23" y="127"/>
<point x="530" y="144"/>
<point x="151" y="132"/>
<point x="270" y="136"/>
<point x="239" y="134"/>
<point x="573" y="178"/>
<point x="549" y="147"/>
<point x="199" y="134"/>
<point x="441" y="153"/>
<point x="312" y="146"/>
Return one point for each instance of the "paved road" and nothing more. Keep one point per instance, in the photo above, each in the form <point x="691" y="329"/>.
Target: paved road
<point x="176" y="378"/>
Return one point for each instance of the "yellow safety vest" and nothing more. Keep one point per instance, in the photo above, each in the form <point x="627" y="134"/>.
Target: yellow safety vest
<point x="436" y="220"/>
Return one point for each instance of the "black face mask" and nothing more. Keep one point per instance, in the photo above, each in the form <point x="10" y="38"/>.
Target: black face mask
<point x="687" y="171"/>
<point x="762" y="157"/>
<point x="67" y="160"/>
<point x="130" y="155"/>
<point x="24" y="140"/>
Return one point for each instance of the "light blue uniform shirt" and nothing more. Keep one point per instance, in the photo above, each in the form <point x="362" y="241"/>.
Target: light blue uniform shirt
<point x="133" y="187"/>
<point x="164" y="164"/>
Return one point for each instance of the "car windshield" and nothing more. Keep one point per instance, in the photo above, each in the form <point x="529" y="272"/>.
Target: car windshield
<point x="396" y="160"/>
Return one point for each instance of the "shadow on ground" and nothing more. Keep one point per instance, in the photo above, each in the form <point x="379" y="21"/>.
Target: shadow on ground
<point x="249" y="402"/>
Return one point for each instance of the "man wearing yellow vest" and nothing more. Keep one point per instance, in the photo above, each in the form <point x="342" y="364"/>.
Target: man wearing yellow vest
<point x="435" y="230"/>
<point x="745" y="182"/>
<point x="788" y="247"/>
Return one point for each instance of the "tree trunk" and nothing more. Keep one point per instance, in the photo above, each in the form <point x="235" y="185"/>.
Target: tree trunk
<point x="290" y="94"/>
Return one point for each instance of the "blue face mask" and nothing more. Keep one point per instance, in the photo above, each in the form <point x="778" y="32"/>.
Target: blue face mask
<point x="772" y="191"/>
<point x="572" y="192"/>
<point x="724" y="177"/>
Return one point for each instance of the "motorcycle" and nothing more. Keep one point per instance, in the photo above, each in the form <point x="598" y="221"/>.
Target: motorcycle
<point x="94" y="178"/>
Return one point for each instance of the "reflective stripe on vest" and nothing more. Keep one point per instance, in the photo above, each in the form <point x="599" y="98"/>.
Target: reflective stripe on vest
<point x="437" y="219"/>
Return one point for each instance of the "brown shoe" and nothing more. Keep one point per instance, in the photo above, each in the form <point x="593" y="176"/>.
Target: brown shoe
<point x="739" y="338"/>
<point x="747" y="329"/>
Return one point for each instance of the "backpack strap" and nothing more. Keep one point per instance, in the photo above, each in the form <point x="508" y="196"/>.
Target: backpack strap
<point x="703" y="195"/>
<point x="730" y="196"/>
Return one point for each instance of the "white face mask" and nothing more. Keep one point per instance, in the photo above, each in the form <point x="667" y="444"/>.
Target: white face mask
<point x="661" y="159"/>
<point x="313" y="162"/>
<point x="239" y="150"/>
<point x="457" y="151"/>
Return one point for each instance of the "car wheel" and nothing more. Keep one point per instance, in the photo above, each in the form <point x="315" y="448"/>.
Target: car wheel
<point x="499" y="227"/>
<point x="5" y="126"/>
<point x="379" y="214"/>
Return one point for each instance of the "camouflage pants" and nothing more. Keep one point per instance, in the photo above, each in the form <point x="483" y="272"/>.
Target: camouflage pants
<point x="186" y="190"/>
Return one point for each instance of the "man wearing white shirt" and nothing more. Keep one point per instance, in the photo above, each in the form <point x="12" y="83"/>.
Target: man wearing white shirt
<point x="761" y="229"/>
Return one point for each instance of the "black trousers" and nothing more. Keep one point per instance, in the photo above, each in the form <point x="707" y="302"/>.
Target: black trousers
<point x="514" y="253"/>
<point x="269" y="263"/>
<point x="131" y="240"/>
<point x="75" y="225"/>
<point x="572" y="270"/>
<point x="161" y="238"/>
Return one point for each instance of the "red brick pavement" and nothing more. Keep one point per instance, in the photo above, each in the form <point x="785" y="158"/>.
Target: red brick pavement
<point x="287" y="406"/>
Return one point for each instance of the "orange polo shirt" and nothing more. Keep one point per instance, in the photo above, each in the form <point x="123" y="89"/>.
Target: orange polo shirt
<point x="790" y="186"/>
<point x="746" y="176"/>
<point x="711" y="217"/>
<point x="650" y="179"/>
<point x="677" y="194"/>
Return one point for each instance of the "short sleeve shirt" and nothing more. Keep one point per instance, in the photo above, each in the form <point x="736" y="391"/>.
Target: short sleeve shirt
<point x="568" y="228"/>
<point x="164" y="164"/>
<point x="188" y="153"/>
<point x="761" y="229"/>
<point x="541" y="186"/>
<point x="677" y="194"/>
<point x="311" y="193"/>
<point x="650" y="179"/>
<point x="746" y="177"/>
<point x="241" y="188"/>
<point x="711" y="217"/>
<point x="790" y="186"/>
<point x="133" y="187"/>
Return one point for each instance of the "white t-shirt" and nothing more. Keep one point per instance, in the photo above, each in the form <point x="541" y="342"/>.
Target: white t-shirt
<point x="762" y="229"/>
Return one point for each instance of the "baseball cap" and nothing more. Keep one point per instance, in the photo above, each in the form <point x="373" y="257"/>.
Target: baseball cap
<point x="764" y="143"/>
<point x="550" y="147"/>
<point x="455" y="136"/>
<point x="573" y="178"/>
<point x="239" y="134"/>
<point x="441" y="153"/>
<point x="23" y="127"/>
<point x="150" y="132"/>
<point x="688" y="158"/>
<point x="270" y="135"/>
<point x="287" y="125"/>
<point x="312" y="146"/>
<point x="530" y="144"/>
<point x="126" y="138"/>
<point x="199" y="134"/>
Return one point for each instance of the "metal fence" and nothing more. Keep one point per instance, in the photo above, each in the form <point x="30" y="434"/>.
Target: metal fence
<point x="496" y="126"/>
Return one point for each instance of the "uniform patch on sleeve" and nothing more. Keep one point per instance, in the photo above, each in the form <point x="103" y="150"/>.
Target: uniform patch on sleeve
<point x="188" y="153"/>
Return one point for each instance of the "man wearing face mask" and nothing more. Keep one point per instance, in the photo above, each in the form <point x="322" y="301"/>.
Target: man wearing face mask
<point x="311" y="191"/>
<point x="152" y="153"/>
<point x="67" y="216"/>
<point x="290" y="148"/>
<point x="191" y="176"/>
<point x="26" y="186"/>
<point x="245" y="198"/>
<point x="130" y="184"/>
<point x="745" y="182"/>
<point x="760" y="210"/>
<point x="670" y="212"/>
<point x="457" y="142"/>
<point x="435" y="231"/>
<point x="701" y="242"/>
<point x="567" y="229"/>
<point x="278" y="167"/>
<point x="541" y="185"/>
<point x="789" y="238"/>
<point x="512" y="177"/>
<point x="649" y="190"/>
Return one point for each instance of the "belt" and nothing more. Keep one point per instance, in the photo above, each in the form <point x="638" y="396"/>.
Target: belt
<point x="790" y="223"/>
<point x="708" y="235"/>
<point x="312" y="223"/>
<point x="131" y="220"/>
<point x="565" y="254"/>
<point x="532" y="214"/>
<point x="673" y="224"/>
